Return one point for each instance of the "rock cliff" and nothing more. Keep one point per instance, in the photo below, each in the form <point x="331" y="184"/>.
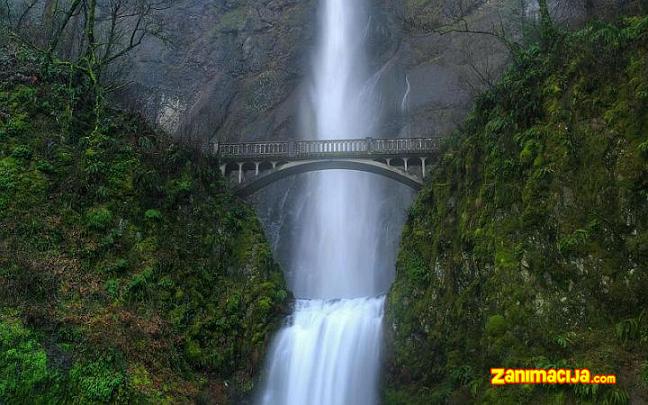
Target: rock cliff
<point x="235" y="69"/>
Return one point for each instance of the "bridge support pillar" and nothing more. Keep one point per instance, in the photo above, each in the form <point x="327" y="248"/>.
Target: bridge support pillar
<point x="423" y="159"/>
<point x="405" y="162"/>
<point x="388" y="160"/>
<point x="240" y="172"/>
<point x="256" y="168"/>
<point x="274" y="165"/>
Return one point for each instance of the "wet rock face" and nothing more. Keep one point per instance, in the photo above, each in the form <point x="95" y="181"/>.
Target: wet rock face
<point x="229" y="69"/>
<point x="427" y="80"/>
<point x="234" y="69"/>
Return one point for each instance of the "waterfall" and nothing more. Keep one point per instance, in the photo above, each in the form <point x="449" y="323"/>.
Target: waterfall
<point x="329" y="351"/>
<point x="407" y="92"/>
<point x="329" y="354"/>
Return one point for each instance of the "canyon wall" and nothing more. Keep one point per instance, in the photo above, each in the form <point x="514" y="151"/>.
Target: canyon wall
<point x="234" y="70"/>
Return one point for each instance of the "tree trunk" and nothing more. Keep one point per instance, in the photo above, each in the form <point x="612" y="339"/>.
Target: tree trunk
<point x="49" y="9"/>
<point x="59" y="32"/>
<point x="546" y="25"/>
<point x="8" y="7"/>
<point x="90" y="27"/>
<point x="589" y="9"/>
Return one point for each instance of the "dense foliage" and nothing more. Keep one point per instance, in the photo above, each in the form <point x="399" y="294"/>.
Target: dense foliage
<point x="528" y="246"/>
<point x="127" y="271"/>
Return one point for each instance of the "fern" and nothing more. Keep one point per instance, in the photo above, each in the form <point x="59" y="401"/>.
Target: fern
<point x="616" y="396"/>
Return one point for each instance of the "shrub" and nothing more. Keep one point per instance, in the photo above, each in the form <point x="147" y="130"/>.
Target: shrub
<point x="496" y="325"/>
<point x="76" y="241"/>
<point x="96" y="381"/>
<point x="22" y="152"/>
<point x="23" y="365"/>
<point x="45" y="167"/>
<point x="644" y="374"/>
<point x="138" y="284"/>
<point x="118" y="266"/>
<point x="153" y="215"/>
<point x="99" y="218"/>
<point x="112" y="288"/>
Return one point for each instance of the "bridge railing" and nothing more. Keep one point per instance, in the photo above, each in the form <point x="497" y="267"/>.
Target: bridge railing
<point x="291" y="150"/>
<point x="350" y="146"/>
<point x="252" y="149"/>
<point x="404" y="145"/>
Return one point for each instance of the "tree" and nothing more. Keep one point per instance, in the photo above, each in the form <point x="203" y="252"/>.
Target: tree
<point x="546" y="25"/>
<point x="89" y="35"/>
<point x="508" y="23"/>
<point x="512" y="23"/>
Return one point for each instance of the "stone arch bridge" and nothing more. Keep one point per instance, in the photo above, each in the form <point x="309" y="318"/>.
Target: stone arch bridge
<point x="254" y="165"/>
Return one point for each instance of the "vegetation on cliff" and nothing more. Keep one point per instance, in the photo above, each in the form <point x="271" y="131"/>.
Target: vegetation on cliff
<point x="528" y="246"/>
<point x="127" y="271"/>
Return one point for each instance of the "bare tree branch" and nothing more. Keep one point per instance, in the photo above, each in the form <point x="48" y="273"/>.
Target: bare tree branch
<point x="25" y="13"/>
<point x="68" y="15"/>
<point x="8" y="6"/>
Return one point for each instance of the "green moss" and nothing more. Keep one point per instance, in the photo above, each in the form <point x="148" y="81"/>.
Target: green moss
<point x="98" y="381"/>
<point x="22" y="152"/>
<point x="496" y="325"/>
<point x="525" y="247"/>
<point x="153" y="304"/>
<point x="112" y="288"/>
<point x="264" y="91"/>
<point x="233" y="20"/>
<point x="23" y="365"/>
<point x="99" y="218"/>
<point x="140" y="377"/>
<point x="153" y="215"/>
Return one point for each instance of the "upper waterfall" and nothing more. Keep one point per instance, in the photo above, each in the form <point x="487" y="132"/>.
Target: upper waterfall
<point x="338" y="249"/>
<point x="339" y="72"/>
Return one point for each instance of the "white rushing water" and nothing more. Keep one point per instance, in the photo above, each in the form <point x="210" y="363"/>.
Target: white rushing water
<point x="337" y="253"/>
<point x="329" y="353"/>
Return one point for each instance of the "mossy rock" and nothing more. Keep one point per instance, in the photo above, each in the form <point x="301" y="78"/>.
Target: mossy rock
<point x="525" y="247"/>
<point x="131" y="273"/>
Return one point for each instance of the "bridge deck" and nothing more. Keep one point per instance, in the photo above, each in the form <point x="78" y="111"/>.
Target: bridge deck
<point x="326" y="149"/>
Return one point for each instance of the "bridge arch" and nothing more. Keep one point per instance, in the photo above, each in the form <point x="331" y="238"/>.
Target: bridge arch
<point x="297" y="167"/>
<point x="254" y="165"/>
